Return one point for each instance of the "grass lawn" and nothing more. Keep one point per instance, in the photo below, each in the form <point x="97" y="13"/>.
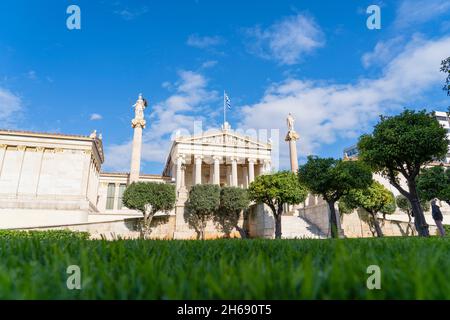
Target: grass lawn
<point x="34" y="267"/>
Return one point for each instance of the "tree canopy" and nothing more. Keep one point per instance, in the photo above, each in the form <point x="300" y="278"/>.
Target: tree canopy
<point x="233" y="201"/>
<point x="402" y="144"/>
<point x="203" y="202"/>
<point x="433" y="183"/>
<point x="332" y="179"/>
<point x="376" y="198"/>
<point x="275" y="190"/>
<point x="149" y="198"/>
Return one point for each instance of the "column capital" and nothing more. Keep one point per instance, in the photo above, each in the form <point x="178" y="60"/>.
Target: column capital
<point x="138" y="123"/>
<point x="251" y="160"/>
<point x="292" y="136"/>
<point x="219" y="158"/>
<point x="3" y="146"/>
<point x="198" y="157"/>
<point x="233" y="159"/>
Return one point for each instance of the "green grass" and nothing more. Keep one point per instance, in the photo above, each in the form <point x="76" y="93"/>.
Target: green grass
<point x="412" y="268"/>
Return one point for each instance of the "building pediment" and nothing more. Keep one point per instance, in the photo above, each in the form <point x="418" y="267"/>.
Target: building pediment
<point x="224" y="139"/>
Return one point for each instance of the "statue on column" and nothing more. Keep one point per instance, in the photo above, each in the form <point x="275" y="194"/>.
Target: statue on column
<point x="290" y="122"/>
<point x="139" y="107"/>
<point x="291" y="135"/>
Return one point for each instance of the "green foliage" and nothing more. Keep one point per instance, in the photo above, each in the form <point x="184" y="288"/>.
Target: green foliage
<point x="203" y="203"/>
<point x="50" y="235"/>
<point x="376" y="198"/>
<point x="333" y="178"/>
<point x="233" y="201"/>
<point x="412" y="268"/>
<point x="405" y="205"/>
<point x="434" y="182"/>
<point x="403" y="143"/>
<point x="445" y="67"/>
<point x="160" y="196"/>
<point x="275" y="190"/>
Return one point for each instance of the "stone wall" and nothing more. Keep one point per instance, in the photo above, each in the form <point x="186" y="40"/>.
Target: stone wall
<point x="162" y="227"/>
<point x="357" y="225"/>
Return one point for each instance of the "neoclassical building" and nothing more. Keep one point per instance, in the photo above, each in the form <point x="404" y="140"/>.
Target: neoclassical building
<point x="51" y="179"/>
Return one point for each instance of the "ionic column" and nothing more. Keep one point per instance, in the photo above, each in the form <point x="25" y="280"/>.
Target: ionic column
<point x="217" y="170"/>
<point x="198" y="169"/>
<point x="251" y="170"/>
<point x="2" y="156"/>
<point x="265" y="167"/>
<point x="211" y="173"/>
<point x="234" y="176"/>
<point x="179" y="176"/>
<point x="245" y="177"/>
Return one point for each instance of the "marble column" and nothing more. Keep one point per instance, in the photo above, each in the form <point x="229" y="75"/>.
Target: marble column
<point x="211" y="173"/>
<point x="180" y="170"/>
<point x="245" y="177"/>
<point x="217" y="170"/>
<point x="234" y="175"/>
<point x="198" y="169"/>
<point x="138" y="123"/>
<point x="292" y="138"/>
<point x="251" y="170"/>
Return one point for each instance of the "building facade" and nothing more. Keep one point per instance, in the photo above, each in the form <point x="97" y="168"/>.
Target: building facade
<point x="56" y="179"/>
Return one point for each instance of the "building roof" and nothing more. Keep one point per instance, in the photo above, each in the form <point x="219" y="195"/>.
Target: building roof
<point x="44" y="134"/>
<point x="53" y="135"/>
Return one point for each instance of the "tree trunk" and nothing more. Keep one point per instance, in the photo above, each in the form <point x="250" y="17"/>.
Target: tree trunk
<point x="242" y="232"/>
<point x="278" y="225"/>
<point x="416" y="208"/>
<point x="376" y="224"/>
<point x="333" y="220"/>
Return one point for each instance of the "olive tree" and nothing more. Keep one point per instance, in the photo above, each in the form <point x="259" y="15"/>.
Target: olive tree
<point x="376" y="198"/>
<point x="202" y="204"/>
<point x="149" y="198"/>
<point x="401" y="145"/>
<point x="233" y="202"/>
<point x="275" y="190"/>
<point x="332" y="179"/>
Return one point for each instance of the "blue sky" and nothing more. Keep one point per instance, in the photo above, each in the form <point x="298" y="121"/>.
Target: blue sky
<point x="316" y="59"/>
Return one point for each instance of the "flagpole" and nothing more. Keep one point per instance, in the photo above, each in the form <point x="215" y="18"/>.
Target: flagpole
<point x="224" y="109"/>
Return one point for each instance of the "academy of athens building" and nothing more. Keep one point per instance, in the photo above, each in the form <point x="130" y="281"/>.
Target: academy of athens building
<point x="56" y="180"/>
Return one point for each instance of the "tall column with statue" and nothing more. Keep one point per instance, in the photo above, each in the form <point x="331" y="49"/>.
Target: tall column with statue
<point x="292" y="138"/>
<point x="138" y="123"/>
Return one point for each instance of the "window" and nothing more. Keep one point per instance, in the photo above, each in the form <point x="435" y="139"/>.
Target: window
<point x="110" y="196"/>
<point x="122" y="188"/>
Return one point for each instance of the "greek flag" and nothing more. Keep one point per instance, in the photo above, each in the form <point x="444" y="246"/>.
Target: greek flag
<point x="227" y="101"/>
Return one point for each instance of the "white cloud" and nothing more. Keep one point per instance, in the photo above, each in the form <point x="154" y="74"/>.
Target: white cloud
<point x="95" y="116"/>
<point x="411" y="13"/>
<point x="383" y="52"/>
<point x="31" y="75"/>
<point x="194" y="40"/>
<point x="286" y="41"/>
<point x="325" y="113"/>
<point x="187" y="104"/>
<point x="10" y="107"/>
<point x="130" y="14"/>
<point x="209" y="64"/>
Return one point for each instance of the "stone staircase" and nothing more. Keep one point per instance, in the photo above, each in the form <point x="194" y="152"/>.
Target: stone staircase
<point x="293" y="227"/>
